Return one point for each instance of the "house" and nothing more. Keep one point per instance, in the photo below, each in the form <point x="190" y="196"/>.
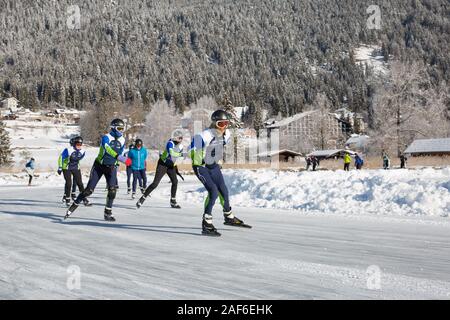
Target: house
<point x="425" y="147"/>
<point x="196" y="119"/>
<point x="307" y="130"/>
<point x="10" y="104"/>
<point x="282" y="155"/>
<point x="358" y="142"/>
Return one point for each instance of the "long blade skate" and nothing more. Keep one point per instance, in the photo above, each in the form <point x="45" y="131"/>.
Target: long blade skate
<point x="69" y="211"/>
<point x="235" y="222"/>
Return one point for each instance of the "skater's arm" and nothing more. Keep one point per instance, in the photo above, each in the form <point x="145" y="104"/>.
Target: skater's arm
<point x="197" y="150"/>
<point x="62" y="158"/>
<point x="170" y="150"/>
<point x="107" y="147"/>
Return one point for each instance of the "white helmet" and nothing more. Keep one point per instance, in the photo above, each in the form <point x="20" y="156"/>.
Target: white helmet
<point x="177" y="135"/>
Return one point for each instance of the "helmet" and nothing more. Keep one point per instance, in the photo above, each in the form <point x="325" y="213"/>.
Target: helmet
<point x="117" y="126"/>
<point x="220" y="119"/>
<point x="177" y="135"/>
<point x="76" y="140"/>
<point x="219" y="115"/>
<point x="138" y="143"/>
<point x="32" y="159"/>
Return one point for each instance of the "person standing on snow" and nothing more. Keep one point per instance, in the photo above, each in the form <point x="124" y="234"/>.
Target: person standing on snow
<point x="110" y="153"/>
<point x="138" y="156"/>
<point x="358" y="162"/>
<point x="205" y="151"/>
<point x="29" y="168"/>
<point x="403" y="160"/>
<point x="347" y="161"/>
<point x="129" y="170"/>
<point x="308" y="163"/>
<point x="386" y="161"/>
<point x="167" y="164"/>
<point x="315" y="162"/>
<point x="69" y="166"/>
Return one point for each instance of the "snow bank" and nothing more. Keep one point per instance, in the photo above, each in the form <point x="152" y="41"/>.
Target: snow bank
<point x="394" y="192"/>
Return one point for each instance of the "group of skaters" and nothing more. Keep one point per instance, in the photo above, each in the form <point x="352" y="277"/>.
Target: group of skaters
<point x="313" y="161"/>
<point x="204" y="151"/>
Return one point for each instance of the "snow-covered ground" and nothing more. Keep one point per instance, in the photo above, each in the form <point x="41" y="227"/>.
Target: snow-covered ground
<point x="363" y="246"/>
<point x="371" y="55"/>
<point x="378" y="192"/>
<point x="44" y="141"/>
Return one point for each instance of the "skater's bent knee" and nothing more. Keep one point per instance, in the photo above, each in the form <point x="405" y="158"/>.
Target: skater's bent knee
<point x="112" y="192"/>
<point x="87" y="192"/>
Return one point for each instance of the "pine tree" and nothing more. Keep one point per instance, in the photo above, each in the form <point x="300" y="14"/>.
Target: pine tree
<point x="5" y="146"/>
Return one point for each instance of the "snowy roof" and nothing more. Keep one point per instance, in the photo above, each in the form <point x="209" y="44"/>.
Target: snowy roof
<point x="359" y="140"/>
<point x="277" y="152"/>
<point x="329" y="153"/>
<point x="429" y="146"/>
<point x="287" y="121"/>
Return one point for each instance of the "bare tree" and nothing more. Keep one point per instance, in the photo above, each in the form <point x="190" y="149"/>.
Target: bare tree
<point x="408" y="108"/>
<point x="160" y="122"/>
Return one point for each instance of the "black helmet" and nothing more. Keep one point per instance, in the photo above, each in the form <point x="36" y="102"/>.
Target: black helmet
<point x="117" y="123"/>
<point x="219" y="115"/>
<point x="138" y="142"/>
<point x="32" y="159"/>
<point x="71" y="141"/>
<point x="76" y="140"/>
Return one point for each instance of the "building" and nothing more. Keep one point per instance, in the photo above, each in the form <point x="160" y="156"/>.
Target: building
<point x="196" y="117"/>
<point x="358" y="142"/>
<point x="308" y="131"/>
<point x="10" y="104"/>
<point x="281" y="155"/>
<point x="427" y="147"/>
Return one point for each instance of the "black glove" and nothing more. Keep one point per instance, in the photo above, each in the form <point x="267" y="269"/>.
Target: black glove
<point x="59" y="171"/>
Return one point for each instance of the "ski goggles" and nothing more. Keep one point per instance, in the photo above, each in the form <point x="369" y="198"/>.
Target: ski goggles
<point x="222" y="123"/>
<point x="78" y="144"/>
<point x="120" y="129"/>
<point x="178" y="139"/>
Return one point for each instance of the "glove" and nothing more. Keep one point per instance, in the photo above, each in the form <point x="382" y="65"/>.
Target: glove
<point x="125" y="160"/>
<point x="59" y="171"/>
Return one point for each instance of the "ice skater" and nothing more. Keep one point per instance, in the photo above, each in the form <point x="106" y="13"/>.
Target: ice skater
<point x="110" y="153"/>
<point x="206" y="151"/>
<point x="69" y="166"/>
<point x="29" y="168"/>
<point x="167" y="164"/>
<point x="138" y="156"/>
<point x="129" y="170"/>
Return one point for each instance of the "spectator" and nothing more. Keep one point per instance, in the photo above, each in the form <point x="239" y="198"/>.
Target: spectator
<point x="359" y="162"/>
<point x="347" y="161"/>
<point x="403" y="161"/>
<point x="386" y="162"/>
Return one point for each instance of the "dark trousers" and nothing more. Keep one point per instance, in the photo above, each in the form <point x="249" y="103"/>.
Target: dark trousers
<point x="30" y="177"/>
<point x="129" y="174"/>
<point x="141" y="176"/>
<point x="347" y="166"/>
<point x="98" y="170"/>
<point x="211" y="177"/>
<point x="161" y="170"/>
<point x="71" y="185"/>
